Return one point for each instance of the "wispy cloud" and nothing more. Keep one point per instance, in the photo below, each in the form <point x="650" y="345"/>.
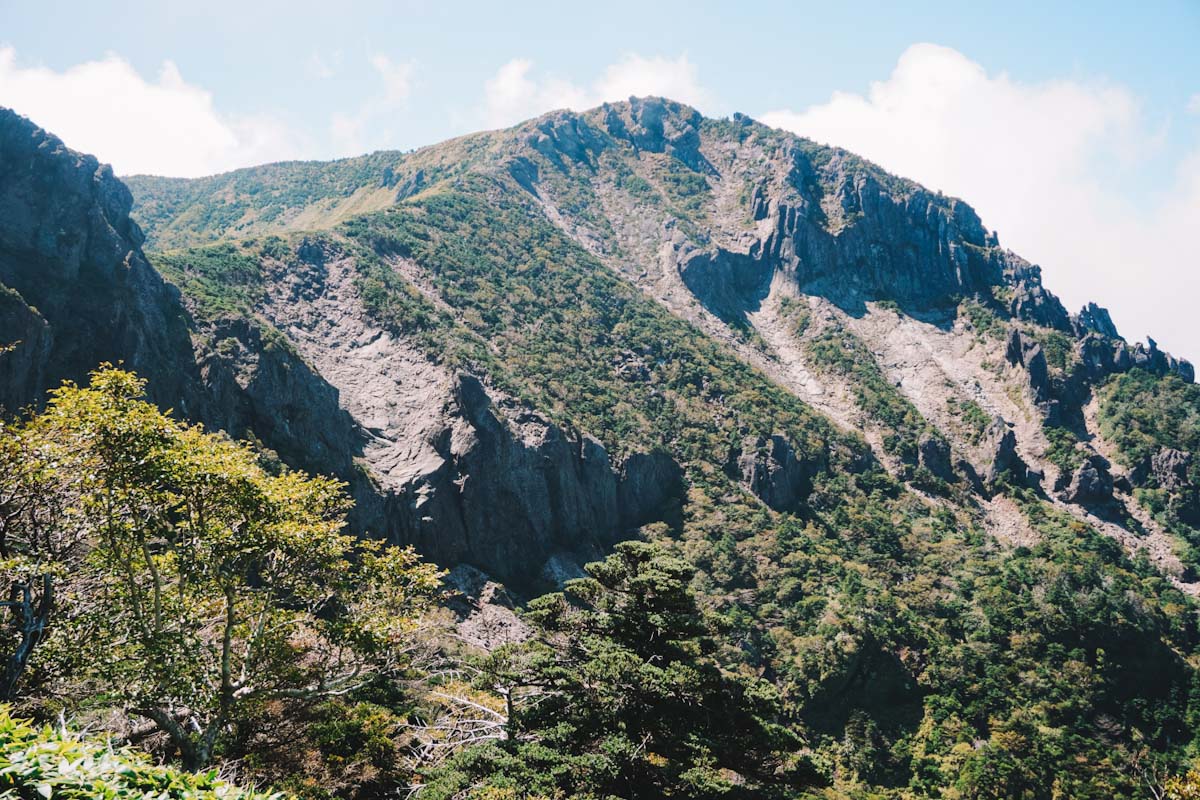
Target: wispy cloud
<point x="368" y="126"/>
<point x="515" y="93"/>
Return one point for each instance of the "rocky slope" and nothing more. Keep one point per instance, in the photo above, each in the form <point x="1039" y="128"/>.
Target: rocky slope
<point x="776" y="247"/>
<point x="891" y="452"/>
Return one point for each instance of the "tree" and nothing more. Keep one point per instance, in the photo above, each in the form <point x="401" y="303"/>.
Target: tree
<point x="209" y="584"/>
<point x="41" y="541"/>
<point x="618" y="694"/>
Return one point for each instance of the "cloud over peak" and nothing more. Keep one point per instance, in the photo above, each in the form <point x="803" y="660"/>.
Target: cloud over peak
<point x="514" y="93"/>
<point x="166" y="126"/>
<point x="1048" y="165"/>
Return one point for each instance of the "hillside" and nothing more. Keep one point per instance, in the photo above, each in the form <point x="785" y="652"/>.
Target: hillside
<point x="953" y="524"/>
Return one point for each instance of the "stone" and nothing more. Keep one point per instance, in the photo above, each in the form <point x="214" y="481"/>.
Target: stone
<point x="1022" y="351"/>
<point x="1000" y="441"/>
<point x="933" y="453"/>
<point x="1170" y="469"/>
<point x="1095" y="320"/>
<point x="771" y="470"/>
<point x="1091" y="483"/>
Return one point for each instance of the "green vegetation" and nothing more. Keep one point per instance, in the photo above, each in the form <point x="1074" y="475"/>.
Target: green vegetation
<point x="1141" y="412"/>
<point x="547" y="322"/>
<point x="619" y="695"/>
<point x="839" y="351"/>
<point x="983" y="320"/>
<point x="1058" y="348"/>
<point x="974" y="419"/>
<point x="169" y="575"/>
<point x="41" y="762"/>
<point x="1063" y="452"/>
<point x="874" y="643"/>
<point x="895" y="638"/>
<point x="224" y="281"/>
<point x="797" y="315"/>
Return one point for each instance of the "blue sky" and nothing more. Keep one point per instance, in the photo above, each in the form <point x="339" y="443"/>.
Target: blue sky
<point x="1074" y="128"/>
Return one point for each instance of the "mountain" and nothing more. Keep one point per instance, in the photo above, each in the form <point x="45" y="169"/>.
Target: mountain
<point x="953" y="523"/>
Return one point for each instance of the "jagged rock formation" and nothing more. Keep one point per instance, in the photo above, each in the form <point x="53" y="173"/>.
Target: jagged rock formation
<point x="449" y="461"/>
<point x="771" y="470"/>
<point x="828" y="388"/>
<point x="1091" y="484"/>
<point x="79" y="291"/>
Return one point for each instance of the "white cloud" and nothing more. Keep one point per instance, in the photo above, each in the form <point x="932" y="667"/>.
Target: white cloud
<point x="165" y="127"/>
<point x="366" y="127"/>
<point x="1053" y="166"/>
<point x="512" y="95"/>
<point x="397" y="78"/>
<point x="1193" y="104"/>
<point x="324" y="67"/>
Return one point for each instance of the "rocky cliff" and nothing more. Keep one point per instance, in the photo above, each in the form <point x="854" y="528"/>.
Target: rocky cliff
<point x="925" y="501"/>
<point x="78" y="289"/>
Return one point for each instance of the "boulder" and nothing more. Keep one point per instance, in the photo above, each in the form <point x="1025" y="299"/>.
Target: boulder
<point x="1096" y="320"/>
<point x="1091" y="483"/>
<point x="1001" y="444"/>
<point x="1023" y="351"/>
<point x="771" y="470"/>
<point x="1170" y="469"/>
<point x="933" y="453"/>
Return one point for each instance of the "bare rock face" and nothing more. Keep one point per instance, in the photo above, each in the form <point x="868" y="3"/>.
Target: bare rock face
<point x="1025" y="352"/>
<point x="510" y="493"/>
<point x="1095" y="319"/>
<point x="1000" y="441"/>
<point x="1091" y="483"/>
<point x="486" y="615"/>
<point x="69" y="249"/>
<point x="25" y="342"/>
<point x="1101" y="356"/>
<point x="771" y="470"/>
<point x="1149" y="357"/>
<point x="659" y="126"/>
<point x="933" y="453"/>
<point x="1170" y="469"/>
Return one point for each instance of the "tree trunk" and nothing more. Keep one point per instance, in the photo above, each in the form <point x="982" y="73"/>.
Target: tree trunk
<point x="31" y="619"/>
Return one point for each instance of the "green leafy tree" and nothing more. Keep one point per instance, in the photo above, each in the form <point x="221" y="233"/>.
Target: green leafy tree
<point x="41" y="540"/>
<point x="618" y="694"/>
<point x="209" y="585"/>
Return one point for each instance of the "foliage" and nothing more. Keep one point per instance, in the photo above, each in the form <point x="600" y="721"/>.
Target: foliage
<point x="618" y="694"/>
<point x="972" y="416"/>
<point x="983" y="320"/>
<point x="840" y="351"/>
<point x="1141" y="412"/>
<point x="210" y="586"/>
<point x="49" y="763"/>
<point x="223" y="280"/>
<point x="912" y="654"/>
<point x="1063" y="452"/>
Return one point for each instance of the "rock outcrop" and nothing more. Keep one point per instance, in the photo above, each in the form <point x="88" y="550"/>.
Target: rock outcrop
<point x="1171" y="469"/>
<point x="1095" y="319"/>
<point x="1023" y="351"/>
<point x="1091" y="483"/>
<point x="933" y="453"/>
<point x="1000" y="443"/>
<point x="69" y="249"/>
<point x="771" y="470"/>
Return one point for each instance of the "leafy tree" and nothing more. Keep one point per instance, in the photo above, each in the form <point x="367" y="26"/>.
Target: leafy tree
<point x="618" y="694"/>
<point x="40" y="540"/>
<point x="210" y="585"/>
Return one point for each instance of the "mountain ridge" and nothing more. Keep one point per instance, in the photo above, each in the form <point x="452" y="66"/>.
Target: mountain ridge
<point x="884" y="445"/>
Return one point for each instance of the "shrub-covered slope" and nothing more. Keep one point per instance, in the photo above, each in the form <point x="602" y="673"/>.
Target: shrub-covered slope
<point x="900" y="469"/>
